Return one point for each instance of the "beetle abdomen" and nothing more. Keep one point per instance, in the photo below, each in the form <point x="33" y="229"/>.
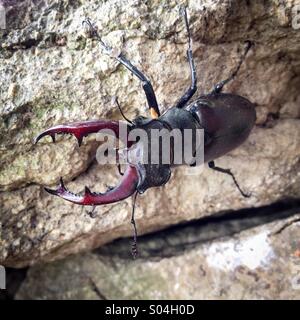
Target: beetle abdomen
<point x="227" y="120"/>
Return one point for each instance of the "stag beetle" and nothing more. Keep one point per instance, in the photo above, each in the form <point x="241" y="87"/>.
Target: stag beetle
<point x="226" y="119"/>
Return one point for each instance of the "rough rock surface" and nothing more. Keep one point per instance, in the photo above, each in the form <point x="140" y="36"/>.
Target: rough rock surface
<point x="51" y="74"/>
<point x="259" y="263"/>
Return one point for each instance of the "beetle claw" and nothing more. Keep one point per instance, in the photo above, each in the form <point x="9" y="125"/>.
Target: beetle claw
<point x="92" y="213"/>
<point x="125" y="189"/>
<point x="129" y="181"/>
<point x="83" y="129"/>
<point x="247" y="195"/>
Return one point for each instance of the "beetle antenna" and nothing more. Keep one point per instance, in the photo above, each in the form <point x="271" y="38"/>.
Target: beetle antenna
<point x="122" y="113"/>
<point x="134" y="248"/>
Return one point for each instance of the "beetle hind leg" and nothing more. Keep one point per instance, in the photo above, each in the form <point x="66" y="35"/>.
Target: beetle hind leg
<point x="212" y="165"/>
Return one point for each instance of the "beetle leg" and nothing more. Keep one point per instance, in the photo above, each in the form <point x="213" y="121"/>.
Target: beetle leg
<point x="118" y="162"/>
<point x="212" y="165"/>
<point x="134" y="247"/>
<point x="219" y="86"/>
<point x="92" y="213"/>
<point x="82" y="129"/>
<point x="125" y="189"/>
<point x="147" y="86"/>
<point x="193" y="87"/>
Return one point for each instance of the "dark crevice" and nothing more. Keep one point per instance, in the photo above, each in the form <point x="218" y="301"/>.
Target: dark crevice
<point x="46" y="41"/>
<point x="176" y="239"/>
<point x="23" y="45"/>
<point x="29" y="43"/>
<point x="271" y="120"/>
<point x="14" y="278"/>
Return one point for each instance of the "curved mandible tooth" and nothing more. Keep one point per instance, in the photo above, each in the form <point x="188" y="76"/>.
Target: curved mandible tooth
<point x="62" y="185"/>
<point x="51" y="191"/>
<point x="59" y="190"/>
<point x="87" y="191"/>
<point x="123" y="190"/>
<point x="79" y="140"/>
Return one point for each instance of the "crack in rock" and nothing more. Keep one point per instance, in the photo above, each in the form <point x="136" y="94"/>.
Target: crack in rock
<point x="174" y="240"/>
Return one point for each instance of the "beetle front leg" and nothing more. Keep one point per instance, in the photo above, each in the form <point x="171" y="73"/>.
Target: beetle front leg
<point x="147" y="86"/>
<point x="193" y="88"/>
<point x="219" y="86"/>
<point x="212" y="165"/>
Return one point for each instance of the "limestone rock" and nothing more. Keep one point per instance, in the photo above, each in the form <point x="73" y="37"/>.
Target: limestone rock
<point x="258" y="263"/>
